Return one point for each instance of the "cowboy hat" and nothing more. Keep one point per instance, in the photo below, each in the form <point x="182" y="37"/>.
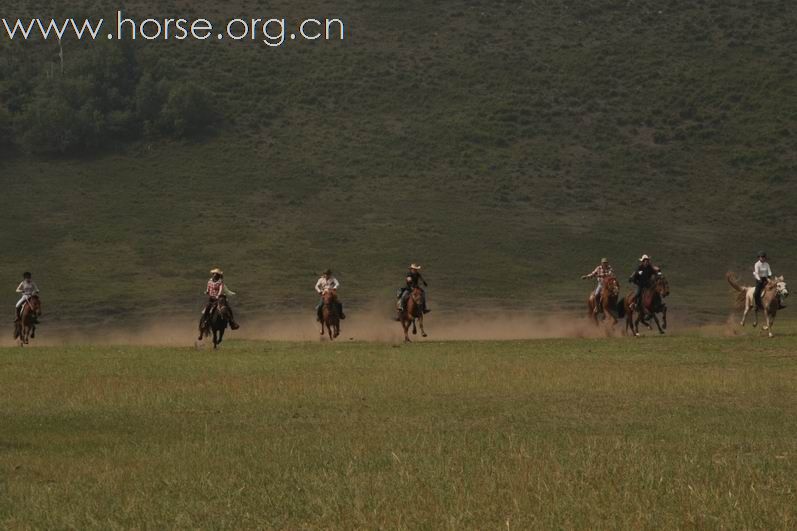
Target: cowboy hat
<point x="415" y="266"/>
<point x="762" y="254"/>
<point x="644" y="257"/>
<point x="327" y="272"/>
<point x="604" y="260"/>
<point x="216" y="271"/>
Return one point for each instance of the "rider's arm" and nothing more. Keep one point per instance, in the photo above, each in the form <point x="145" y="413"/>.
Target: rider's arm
<point x="335" y="283"/>
<point x="423" y="280"/>
<point x="755" y="271"/>
<point x="318" y="286"/>
<point x="19" y="288"/>
<point x="35" y="288"/>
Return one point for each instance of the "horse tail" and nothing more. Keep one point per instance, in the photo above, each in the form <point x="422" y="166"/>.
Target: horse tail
<point x="733" y="282"/>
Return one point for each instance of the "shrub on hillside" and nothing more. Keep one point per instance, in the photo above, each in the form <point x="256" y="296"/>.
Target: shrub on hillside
<point x="101" y="98"/>
<point x="188" y="111"/>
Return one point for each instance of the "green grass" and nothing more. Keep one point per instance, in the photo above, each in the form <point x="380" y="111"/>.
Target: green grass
<point x="654" y="433"/>
<point x="505" y="147"/>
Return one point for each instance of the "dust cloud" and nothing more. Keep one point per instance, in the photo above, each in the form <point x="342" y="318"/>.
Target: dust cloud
<point x="371" y="326"/>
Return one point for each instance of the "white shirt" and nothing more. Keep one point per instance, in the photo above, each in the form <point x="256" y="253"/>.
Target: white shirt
<point x="324" y="284"/>
<point x="27" y="288"/>
<point x="761" y="269"/>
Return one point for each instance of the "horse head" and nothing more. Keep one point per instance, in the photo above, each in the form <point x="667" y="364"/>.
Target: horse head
<point x="780" y="289"/>
<point x="329" y="296"/>
<point x="662" y="286"/>
<point x="611" y="286"/>
<point x="35" y="304"/>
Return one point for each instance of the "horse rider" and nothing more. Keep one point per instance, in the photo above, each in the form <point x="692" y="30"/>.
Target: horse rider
<point x="215" y="290"/>
<point x="762" y="272"/>
<point x="327" y="282"/>
<point x="642" y="277"/>
<point x="28" y="289"/>
<point x="413" y="279"/>
<point x="603" y="270"/>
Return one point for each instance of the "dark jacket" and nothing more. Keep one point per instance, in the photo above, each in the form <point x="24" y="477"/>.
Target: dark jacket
<point x="414" y="279"/>
<point x="643" y="274"/>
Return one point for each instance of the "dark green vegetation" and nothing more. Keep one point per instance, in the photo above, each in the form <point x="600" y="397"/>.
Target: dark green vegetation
<point x="657" y="433"/>
<point x="505" y="145"/>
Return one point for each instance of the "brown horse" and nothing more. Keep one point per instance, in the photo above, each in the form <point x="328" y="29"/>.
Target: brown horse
<point x="217" y="322"/>
<point x="330" y="316"/>
<point x="413" y="312"/>
<point x="25" y="326"/>
<point x="652" y="304"/>
<point x="610" y="294"/>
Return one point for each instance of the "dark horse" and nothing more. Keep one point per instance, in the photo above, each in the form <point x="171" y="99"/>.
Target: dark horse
<point x="25" y="326"/>
<point x="330" y="315"/>
<point x="652" y="303"/>
<point x="219" y="317"/>
<point x="413" y="311"/>
<point x="607" y="304"/>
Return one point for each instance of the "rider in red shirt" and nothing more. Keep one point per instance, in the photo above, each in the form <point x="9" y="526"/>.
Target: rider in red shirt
<point x="215" y="290"/>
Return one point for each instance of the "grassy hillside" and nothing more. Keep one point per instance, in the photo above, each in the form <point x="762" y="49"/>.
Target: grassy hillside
<point x="506" y="146"/>
<point x="673" y="433"/>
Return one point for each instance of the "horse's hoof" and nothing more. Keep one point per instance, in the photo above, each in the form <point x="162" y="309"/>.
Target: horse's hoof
<point x="765" y="328"/>
<point x="770" y="335"/>
<point x="424" y="335"/>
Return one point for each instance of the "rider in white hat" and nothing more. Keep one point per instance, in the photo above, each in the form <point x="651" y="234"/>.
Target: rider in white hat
<point x="325" y="283"/>
<point x="642" y="276"/>
<point x="413" y="279"/>
<point x="216" y="289"/>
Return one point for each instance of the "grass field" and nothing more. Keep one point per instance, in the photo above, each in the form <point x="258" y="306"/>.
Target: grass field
<point x="672" y="432"/>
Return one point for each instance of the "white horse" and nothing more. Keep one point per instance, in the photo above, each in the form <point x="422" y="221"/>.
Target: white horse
<point x="773" y="298"/>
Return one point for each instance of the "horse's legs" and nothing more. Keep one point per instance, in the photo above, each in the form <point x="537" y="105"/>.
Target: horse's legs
<point x="656" y="320"/>
<point x="755" y="316"/>
<point x="664" y="316"/>
<point x="414" y="328"/>
<point x="635" y="323"/>
<point x="405" y="324"/>
<point x="420" y="324"/>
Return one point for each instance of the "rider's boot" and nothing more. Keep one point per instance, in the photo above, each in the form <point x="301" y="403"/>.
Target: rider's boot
<point x="17" y="317"/>
<point x="234" y="325"/>
<point x="318" y="315"/>
<point x="340" y="310"/>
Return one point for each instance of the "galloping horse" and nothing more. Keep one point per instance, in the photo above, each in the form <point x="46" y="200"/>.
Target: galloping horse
<point x="413" y="311"/>
<point x="217" y="321"/>
<point x="330" y="317"/>
<point x="25" y="327"/>
<point x="773" y="298"/>
<point x="652" y="303"/>
<point x="610" y="294"/>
